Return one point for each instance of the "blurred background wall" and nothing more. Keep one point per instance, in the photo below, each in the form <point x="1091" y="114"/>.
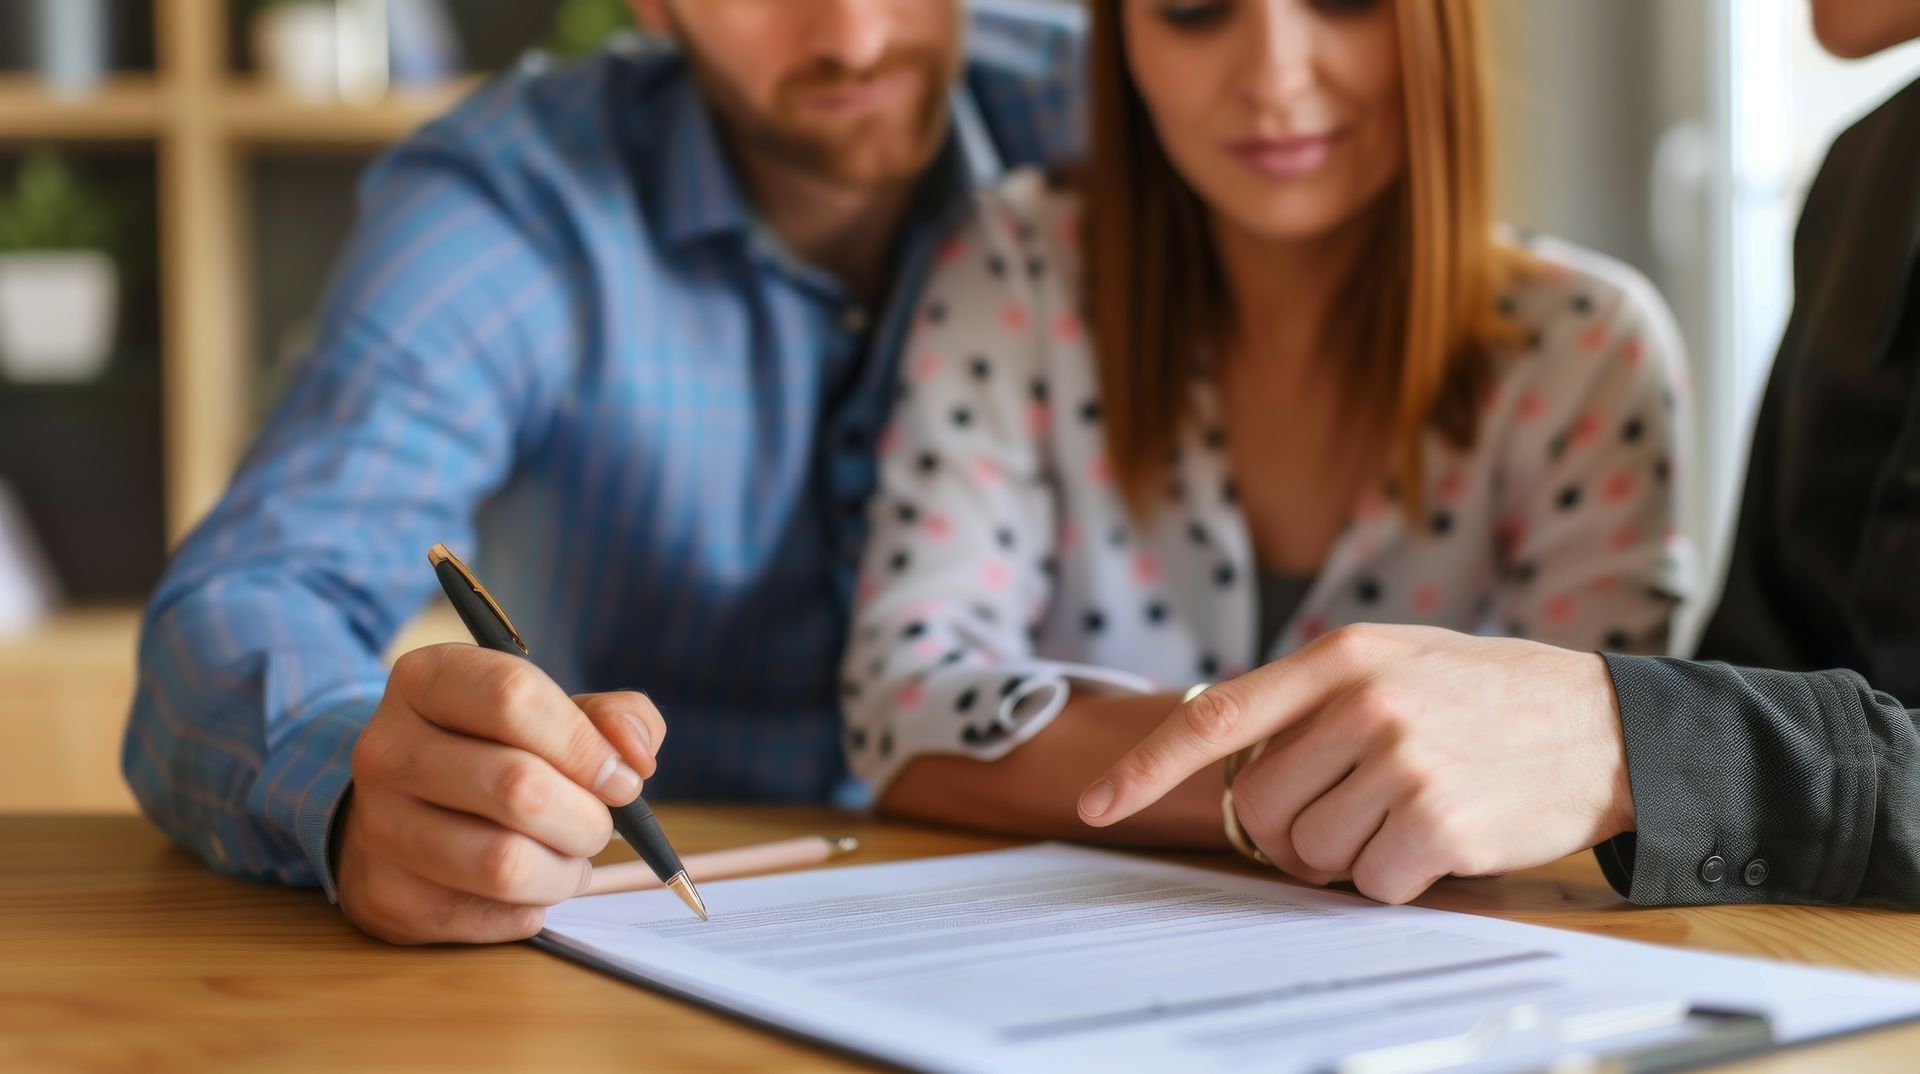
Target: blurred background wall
<point x="177" y="175"/>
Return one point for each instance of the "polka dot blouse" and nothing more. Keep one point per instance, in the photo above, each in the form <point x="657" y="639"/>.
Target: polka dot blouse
<point x="1004" y="570"/>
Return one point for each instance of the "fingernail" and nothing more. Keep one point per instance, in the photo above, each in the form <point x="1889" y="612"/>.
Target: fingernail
<point x="586" y="877"/>
<point x="1097" y="798"/>
<point x="617" y="780"/>
<point x="640" y="729"/>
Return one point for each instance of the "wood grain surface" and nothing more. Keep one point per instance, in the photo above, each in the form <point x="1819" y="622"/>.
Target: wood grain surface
<point x="118" y="952"/>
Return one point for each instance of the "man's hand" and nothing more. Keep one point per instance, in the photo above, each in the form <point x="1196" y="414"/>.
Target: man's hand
<point x="1400" y="755"/>
<point x="480" y="790"/>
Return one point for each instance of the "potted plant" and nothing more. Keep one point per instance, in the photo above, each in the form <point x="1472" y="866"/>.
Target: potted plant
<point x="59" y="285"/>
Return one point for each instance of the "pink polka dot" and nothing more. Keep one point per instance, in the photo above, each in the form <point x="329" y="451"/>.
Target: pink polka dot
<point x="986" y="471"/>
<point x="1606" y="583"/>
<point x="1039" y="420"/>
<point x="926" y="366"/>
<point x="937" y="526"/>
<point x="1312" y="628"/>
<point x="1511" y="531"/>
<point x="929" y="647"/>
<point x="996" y="574"/>
<point x="1634" y="352"/>
<point x="910" y="697"/>
<point x="1146" y="569"/>
<point x="1562" y="610"/>
<point x="1069" y="534"/>
<point x="889" y="441"/>
<point x="1101" y="472"/>
<point x="1069" y="230"/>
<point x="1452" y="488"/>
<point x="1586" y="429"/>
<point x="1068" y="328"/>
<point x="865" y="592"/>
<point x="1673" y="533"/>
<point x="954" y="250"/>
<point x="1624" y="538"/>
<point x="1014" y="317"/>
<point x="1595" y="338"/>
<point x="1427" y="599"/>
<point x="1533" y="406"/>
<point x="1553" y="272"/>
<point x="1620" y="487"/>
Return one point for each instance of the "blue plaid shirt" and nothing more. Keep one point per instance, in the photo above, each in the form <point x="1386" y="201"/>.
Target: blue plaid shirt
<point x="560" y="336"/>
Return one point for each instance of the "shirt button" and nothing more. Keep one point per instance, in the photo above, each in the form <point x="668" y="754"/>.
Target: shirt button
<point x="1713" y="869"/>
<point x="1756" y="872"/>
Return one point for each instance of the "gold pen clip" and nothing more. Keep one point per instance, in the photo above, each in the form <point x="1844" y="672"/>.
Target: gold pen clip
<point x="439" y="554"/>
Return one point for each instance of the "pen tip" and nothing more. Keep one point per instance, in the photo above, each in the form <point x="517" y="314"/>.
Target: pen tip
<point x="682" y="886"/>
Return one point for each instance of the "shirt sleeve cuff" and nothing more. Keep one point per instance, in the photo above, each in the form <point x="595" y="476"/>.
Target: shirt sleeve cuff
<point x="306" y="779"/>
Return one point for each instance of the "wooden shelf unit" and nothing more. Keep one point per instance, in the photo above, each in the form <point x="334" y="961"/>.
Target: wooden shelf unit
<point x="204" y="119"/>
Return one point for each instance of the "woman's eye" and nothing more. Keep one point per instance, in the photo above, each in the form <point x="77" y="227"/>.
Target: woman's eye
<point x="1346" y="7"/>
<point x="1195" y="14"/>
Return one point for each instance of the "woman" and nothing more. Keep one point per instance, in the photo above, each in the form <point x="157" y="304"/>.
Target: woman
<point x="1311" y="387"/>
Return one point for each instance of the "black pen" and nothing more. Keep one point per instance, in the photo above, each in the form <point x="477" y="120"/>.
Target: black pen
<point x="491" y="629"/>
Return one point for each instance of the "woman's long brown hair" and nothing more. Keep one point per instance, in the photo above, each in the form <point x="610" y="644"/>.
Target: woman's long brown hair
<point x="1423" y="294"/>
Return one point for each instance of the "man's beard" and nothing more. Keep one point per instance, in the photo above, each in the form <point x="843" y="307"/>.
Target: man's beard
<point x="885" y="146"/>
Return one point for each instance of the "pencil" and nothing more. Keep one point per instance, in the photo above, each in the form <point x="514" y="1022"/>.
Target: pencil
<point x="722" y="864"/>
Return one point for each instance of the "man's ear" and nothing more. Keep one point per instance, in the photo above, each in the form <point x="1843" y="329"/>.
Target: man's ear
<point x="652" y="16"/>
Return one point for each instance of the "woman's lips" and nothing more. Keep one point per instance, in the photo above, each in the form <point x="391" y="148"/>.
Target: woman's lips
<point x="1285" y="158"/>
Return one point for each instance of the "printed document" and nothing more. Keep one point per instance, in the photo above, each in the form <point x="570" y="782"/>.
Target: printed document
<point x="1056" y="958"/>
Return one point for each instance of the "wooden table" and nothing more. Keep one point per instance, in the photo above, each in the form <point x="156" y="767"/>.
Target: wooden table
<point x="119" y="952"/>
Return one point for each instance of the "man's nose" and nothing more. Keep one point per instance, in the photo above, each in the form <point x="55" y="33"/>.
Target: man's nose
<point x="852" y="33"/>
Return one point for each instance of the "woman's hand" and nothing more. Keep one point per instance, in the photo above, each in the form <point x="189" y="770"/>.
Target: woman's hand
<point x="1400" y="755"/>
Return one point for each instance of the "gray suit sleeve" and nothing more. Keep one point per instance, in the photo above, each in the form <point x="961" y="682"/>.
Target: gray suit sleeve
<point x="1765" y="786"/>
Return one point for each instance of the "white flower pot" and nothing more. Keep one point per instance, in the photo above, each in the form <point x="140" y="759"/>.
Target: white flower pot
<point x="296" y="46"/>
<point x="58" y="310"/>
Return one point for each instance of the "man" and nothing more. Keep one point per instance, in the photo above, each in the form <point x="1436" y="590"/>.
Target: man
<point x="636" y="321"/>
<point x="1399" y="756"/>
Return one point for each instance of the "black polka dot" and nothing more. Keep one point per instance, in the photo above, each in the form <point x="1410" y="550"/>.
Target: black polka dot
<point x="907" y="513"/>
<point x="1569" y="498"/>
<point x="850" y="690"/>
<point x="857" y="738"/>
<point x="954" y="656"/>
<point x="877" y="668"/>
<point x="1367" y="591"/>
<point x="1197" y="533"/>
<point x="980" y="367"/>
<point x="1517" y="628"/>
<point x="962" y="417"/>
<point x="1090" y="411"/>
<point x="1507" y="306"/>
<point x="914" y="629"/>
<point x="1536" y="340"/>
<point x="1663" y="471"/>
<point x="929" y="462"/>
<point x="1557" y="447"/>
<point x="1038" y="391"/>
<point x="1616" y="640"/>
<point x="1095" y="621"/>
<point x="1230" y="492"/>
<point x="1117" y="537"/>
<point x="1209" y="666"/>
<point x="1216" y="437"/>
<point x="937" y="312"/>
<point x="1033" y="634"/>
<point x="1666" y="399"/>
<point x="900" y="562"/>
<point x="1525" y="573"/>
<point x="997" y="266"/>
<point x="886" y="743"/>
<point x="1156" y="612"/>
<point x="1050" y="566"/>
<point x="1025" y="230"/>
<point x="1036" y="268"/>
<point x="1223" y="575"/>
<point x="1633" y="431"/>
<point x="985" y="614"/>
<point x="1441" y="523"/>
<point x="1007" y="688"/>
<point x="965" y="701"/>
<point x="1583" y="304"/>
<point x="1004" y="537"/>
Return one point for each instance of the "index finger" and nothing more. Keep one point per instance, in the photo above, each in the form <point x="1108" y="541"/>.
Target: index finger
<point x="503" y="698"/>
<point x="1218" y="723"/>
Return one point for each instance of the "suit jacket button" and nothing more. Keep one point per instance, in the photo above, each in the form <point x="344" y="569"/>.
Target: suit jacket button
<point x="1713" y="869"/>
<point x="1756" y="873"/>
